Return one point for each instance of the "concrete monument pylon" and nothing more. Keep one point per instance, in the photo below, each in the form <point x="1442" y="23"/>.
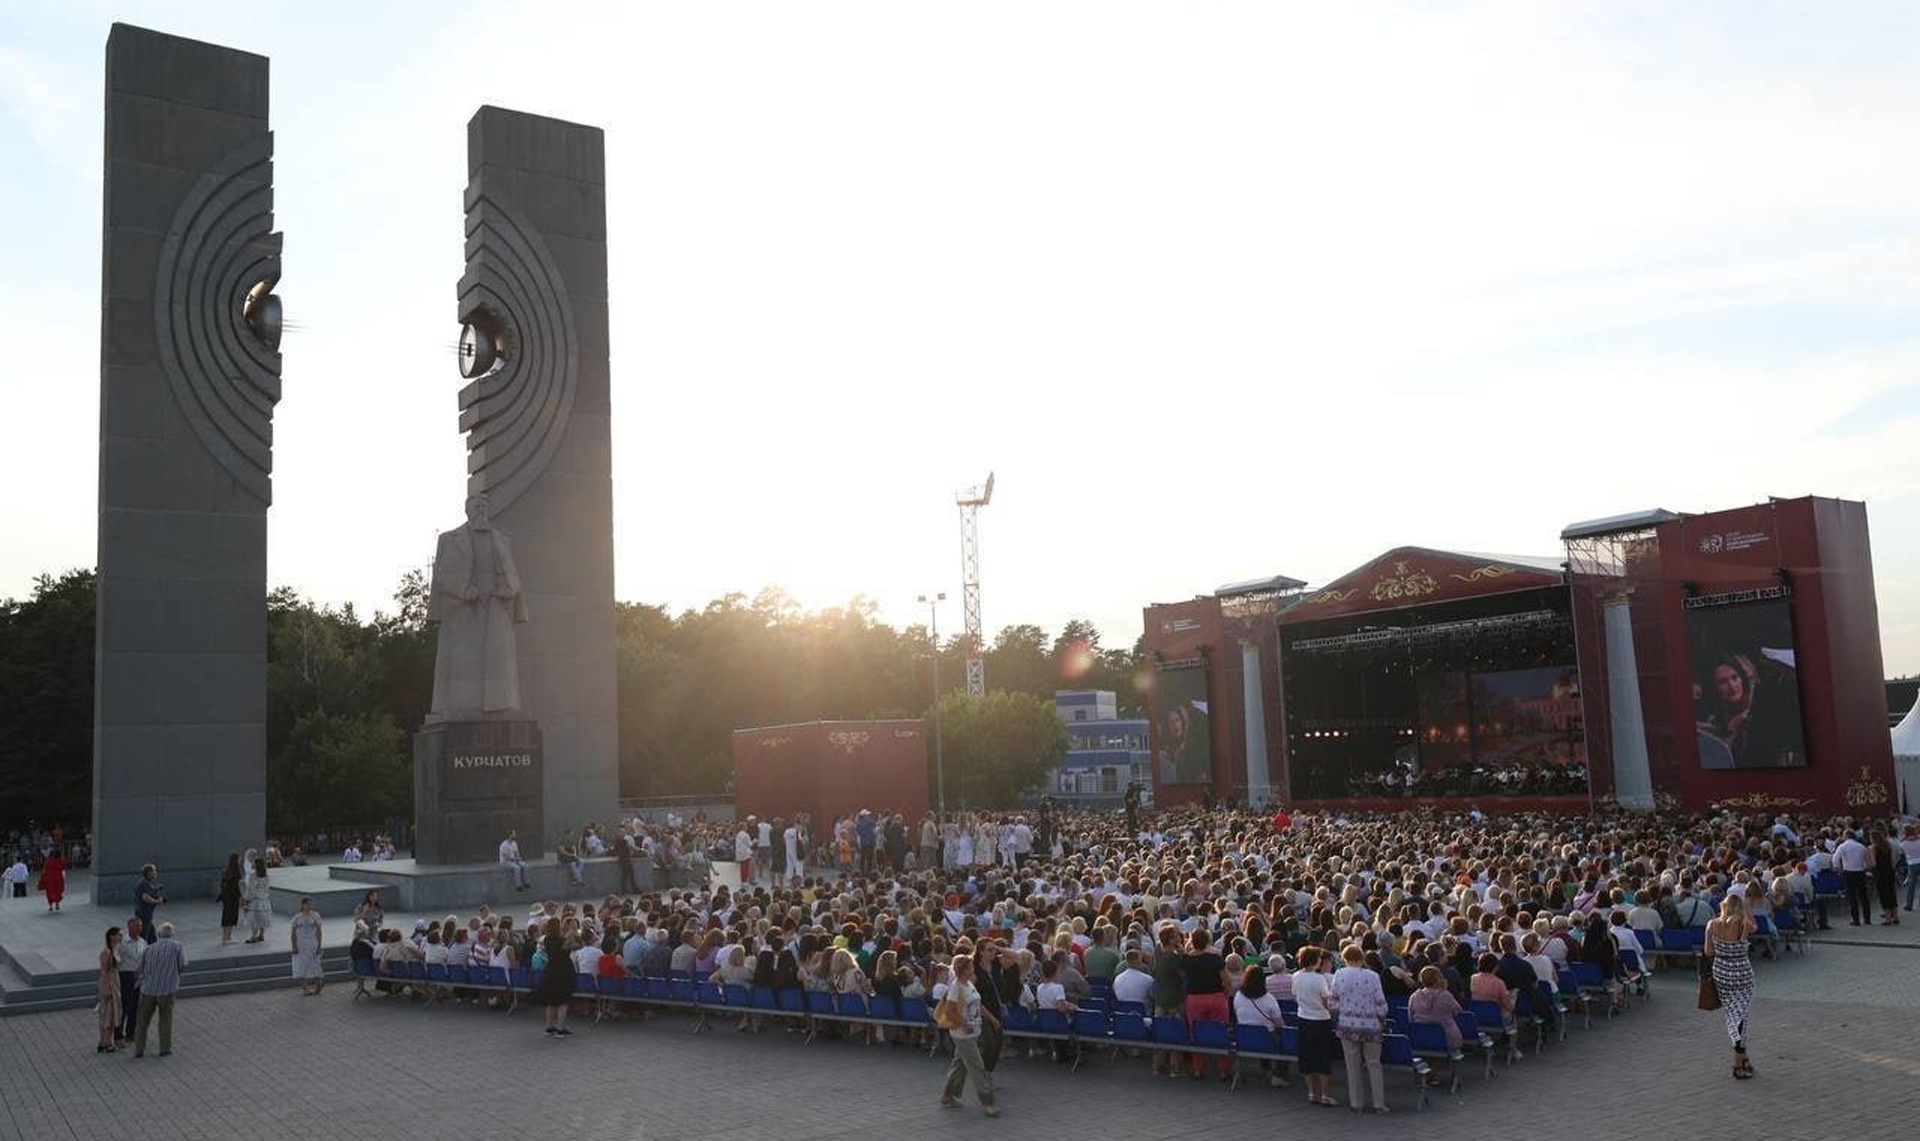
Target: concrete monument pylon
<point x="189" y="376"/>
<point x="537" y="413"/>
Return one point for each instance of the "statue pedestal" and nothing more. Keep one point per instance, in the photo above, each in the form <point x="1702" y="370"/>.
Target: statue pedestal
<point x="472" y="782"/>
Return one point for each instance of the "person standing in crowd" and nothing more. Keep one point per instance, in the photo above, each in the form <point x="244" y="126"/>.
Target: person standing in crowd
<point x="964" y="997"/>
<point x="148" y="894"/>
<point x="1732" y="970"/>
<point x="1882" y="858"/>
<point x="796" y="856"/>
<point x="929" y="843"/>
<point x="1910" y="853"/>
<point x="17" y="876"/>
<point x="126" y="961"/>
<point x="107" y="994"/>
<point x="867" y="832"/>
<point x="229" y="897"/>
<point x="510" y="860"/>
<point x="1311" y="989"/>
<point x="258" y="895"/>
<point x="306" y="933"/>
<point x="556" y="981"/>
<point x="1853" y="857"/>
<point x="1169" y="992"/>
<point x="1205" y="973"/>
<point x="160" y="969"/>
<point x="1360" y="1004"/>
<point x="743" y="854"/>
<point x="53" y="879"/>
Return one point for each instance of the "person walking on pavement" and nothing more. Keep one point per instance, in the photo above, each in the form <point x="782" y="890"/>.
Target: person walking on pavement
<point x="53" y="879"/>
<point x="963" y="1024"/>
<point x="126" y="960"/>
<point x="160" y="970"/>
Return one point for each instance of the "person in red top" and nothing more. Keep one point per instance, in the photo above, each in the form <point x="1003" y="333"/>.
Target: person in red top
<point x="53" y="879"/>
<point x="1283" y="821"/>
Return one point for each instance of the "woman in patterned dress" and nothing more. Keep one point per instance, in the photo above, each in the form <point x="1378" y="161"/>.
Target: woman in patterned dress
<point x="306" y="932"/>
<point x="259" y="900"/>
<point x="107" y="994"/>
<point x="1732" y="969"/>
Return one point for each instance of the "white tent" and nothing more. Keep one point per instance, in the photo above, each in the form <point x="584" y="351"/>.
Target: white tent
<point x="1906" y="758"/>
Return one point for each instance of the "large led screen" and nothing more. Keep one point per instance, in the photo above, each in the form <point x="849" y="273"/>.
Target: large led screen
<point x="1529" y="717"/>
<point x="1183" y="750"/>
<point x="1746" y="689"/>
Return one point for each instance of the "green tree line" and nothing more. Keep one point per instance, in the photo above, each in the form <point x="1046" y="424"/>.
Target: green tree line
<point x="345" y="693"/>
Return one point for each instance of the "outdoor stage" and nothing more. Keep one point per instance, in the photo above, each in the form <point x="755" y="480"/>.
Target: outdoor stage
<point x="1657" y="660"/>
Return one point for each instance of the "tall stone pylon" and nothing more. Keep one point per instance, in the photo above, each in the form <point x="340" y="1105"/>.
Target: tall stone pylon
<point x="189" y="376"/>
<point x="537" y="413"/>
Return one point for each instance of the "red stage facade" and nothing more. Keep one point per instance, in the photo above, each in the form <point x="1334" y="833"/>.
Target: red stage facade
<point x="1810" y="562"/>
<point x="830" y="768"/>
<point x="1434" y="678"/>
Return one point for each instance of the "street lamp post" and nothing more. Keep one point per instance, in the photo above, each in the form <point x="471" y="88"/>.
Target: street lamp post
<point x="939" y="761"/>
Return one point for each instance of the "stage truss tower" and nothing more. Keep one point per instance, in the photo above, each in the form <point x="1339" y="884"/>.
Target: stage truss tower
<point x="970" y="501"/>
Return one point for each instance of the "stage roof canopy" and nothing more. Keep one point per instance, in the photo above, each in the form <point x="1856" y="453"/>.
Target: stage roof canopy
<point x="1278" y="584"/>
<point x="1615" y="524"/>
<point x="1417" y="576"/>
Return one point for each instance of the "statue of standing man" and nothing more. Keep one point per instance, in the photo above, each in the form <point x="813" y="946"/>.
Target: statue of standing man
<point x="476" y="598"/>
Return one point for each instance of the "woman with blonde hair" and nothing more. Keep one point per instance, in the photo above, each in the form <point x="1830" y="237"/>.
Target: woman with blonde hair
<point x="1732" y="971"/>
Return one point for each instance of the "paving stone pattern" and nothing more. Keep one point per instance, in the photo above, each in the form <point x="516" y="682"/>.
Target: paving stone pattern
<point x="1830" y="1034"/>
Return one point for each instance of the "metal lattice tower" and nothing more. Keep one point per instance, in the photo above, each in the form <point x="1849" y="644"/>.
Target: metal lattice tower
<point x="971" y="500"/>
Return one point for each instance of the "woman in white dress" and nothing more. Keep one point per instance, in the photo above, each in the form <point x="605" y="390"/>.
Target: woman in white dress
<point x="257" y="896"/>
<point x="306" y="931"/>
<point x="963" y="845"/>
<point x="984" y="834"/>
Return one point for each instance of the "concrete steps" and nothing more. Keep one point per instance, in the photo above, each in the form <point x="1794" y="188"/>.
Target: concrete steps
<point x="69" y="990"/>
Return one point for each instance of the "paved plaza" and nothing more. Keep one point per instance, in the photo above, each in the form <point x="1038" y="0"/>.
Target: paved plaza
<point x="1831" y="1035"/>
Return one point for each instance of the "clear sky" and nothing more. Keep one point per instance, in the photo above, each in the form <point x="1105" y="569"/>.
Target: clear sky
<point x="1218" y="290"/>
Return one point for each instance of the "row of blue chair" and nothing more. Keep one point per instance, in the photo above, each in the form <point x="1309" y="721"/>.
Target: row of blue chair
<point x="1100" y="1022"/>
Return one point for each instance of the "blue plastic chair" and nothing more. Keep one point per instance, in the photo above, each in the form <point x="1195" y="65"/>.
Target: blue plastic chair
<point x="1396" y="1053"/>
<point x="1492" y="1021"/>
<point x="1130" y="1028"/>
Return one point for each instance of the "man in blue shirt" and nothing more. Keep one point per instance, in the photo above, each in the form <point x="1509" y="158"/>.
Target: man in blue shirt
<point x="633" y="952"/>
<point x="160" y="968"/>
<point x="147" y="895"/>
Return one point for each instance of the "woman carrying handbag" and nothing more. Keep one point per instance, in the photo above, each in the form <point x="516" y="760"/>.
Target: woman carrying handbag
<point x="1726" y="979"/>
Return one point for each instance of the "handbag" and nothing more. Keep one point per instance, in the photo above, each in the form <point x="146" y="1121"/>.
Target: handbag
<point x="1709" y="996"/>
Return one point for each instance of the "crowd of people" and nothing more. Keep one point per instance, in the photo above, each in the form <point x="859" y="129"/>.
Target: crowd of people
<point x="1334" y="924"/>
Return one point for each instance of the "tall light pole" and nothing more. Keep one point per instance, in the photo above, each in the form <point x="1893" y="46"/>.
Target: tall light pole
<point x="971" y="500"/>
<point x="939" y="761"/>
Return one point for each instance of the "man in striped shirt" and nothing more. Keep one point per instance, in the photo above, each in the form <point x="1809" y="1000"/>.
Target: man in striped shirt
<point x="160" y="969"/>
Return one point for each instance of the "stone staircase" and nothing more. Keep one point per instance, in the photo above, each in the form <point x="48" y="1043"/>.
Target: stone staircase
<point x="35" y="993"/>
